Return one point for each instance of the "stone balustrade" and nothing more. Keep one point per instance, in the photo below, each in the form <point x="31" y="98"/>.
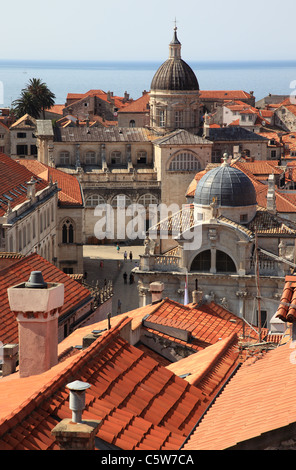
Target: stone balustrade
<point x="160" y="263"/>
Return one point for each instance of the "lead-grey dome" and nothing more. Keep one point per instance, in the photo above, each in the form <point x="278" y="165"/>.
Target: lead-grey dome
<point x="175" y="74"/>
<point x="228" y="185"/>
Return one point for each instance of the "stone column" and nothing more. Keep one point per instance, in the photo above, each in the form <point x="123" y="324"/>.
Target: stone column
<point x="213" y="260"/>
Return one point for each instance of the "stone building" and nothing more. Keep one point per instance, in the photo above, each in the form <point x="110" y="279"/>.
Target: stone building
<point x="27" y="211"/>
<point x="69" y="216"/>
<point x="23" y="138"/>
<point x="143" y="163"/>
<point x="4" y="138"/>
<point x="212" y="244"/>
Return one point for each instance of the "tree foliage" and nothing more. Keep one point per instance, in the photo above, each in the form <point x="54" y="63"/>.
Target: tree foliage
<point x="34" y="99"/>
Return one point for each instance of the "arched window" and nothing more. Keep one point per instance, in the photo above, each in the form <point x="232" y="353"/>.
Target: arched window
<point x="121" y="200"/>
<point x="184" y="161"/>
<point x="202" y="262"/>
<point x="147" y="199"/>
<point x="67" y="232"/>
<point x="224" y="263"/>
<point x="64" y="158"/>
<point x="94" y="200"/>
<point x="132" y="123"/>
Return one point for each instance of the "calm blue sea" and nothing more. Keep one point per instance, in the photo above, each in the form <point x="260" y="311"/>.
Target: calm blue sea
<point x="134" y="77"/>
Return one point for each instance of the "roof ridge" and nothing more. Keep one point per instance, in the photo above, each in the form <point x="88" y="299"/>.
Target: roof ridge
<point x="19" y="261"/>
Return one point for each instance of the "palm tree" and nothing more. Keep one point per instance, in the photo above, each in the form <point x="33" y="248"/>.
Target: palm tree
<point x="41" y="93"/>
<point x="34" y="99"/>
<point x="25" y="105"/>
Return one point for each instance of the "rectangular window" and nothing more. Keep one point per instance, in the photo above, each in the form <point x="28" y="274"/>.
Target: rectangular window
<point x="21" y="150"/>
<point x="21" y="135"/>
<point x="161" y="118"/>
<point x="178" y="118"/>
<point x="68" y="270"/>
<point x="263" y="318"/>
<point x="273" y="154"/>
<point x="33" y="150"/>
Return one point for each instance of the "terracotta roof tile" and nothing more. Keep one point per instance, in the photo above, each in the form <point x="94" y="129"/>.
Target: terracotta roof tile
<point x="136" y="411"/>
<point x="13" y="177"/>
<point x="249" y="405"/>
<point x="70" y="193"/>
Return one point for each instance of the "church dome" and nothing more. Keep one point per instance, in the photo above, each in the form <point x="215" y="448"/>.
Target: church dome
<point x="175" y="74"/>
<point x="229" y="186"/>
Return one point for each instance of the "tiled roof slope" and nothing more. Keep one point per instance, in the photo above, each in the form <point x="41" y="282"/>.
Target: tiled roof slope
<point x="141" y="404"/>
<point x="13" y="179"/>
<point x="206" y="324"/>
<point x="99" y="134"/>
<point x="224" y="94"/>
<point x="137" y="106"/>
<point x="70" y="194"/>
<point x="257" y="400"/>
<point x="209" y="369"/>
<point x="19" y="272"/>
<point x="287" y="308"/>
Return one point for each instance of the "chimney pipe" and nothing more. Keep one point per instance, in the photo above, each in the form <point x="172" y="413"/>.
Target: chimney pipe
<point x="36" y="305"/>
<point x="156" y="290"/>
<point x="76" y="434"/>
<point x="77" y="399"/>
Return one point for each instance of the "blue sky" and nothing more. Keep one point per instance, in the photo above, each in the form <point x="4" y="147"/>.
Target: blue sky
<point x="137" y="30"/>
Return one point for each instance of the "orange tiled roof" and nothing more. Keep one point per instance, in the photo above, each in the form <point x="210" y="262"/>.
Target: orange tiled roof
<point x="141" y="404"/>
<point x="56" y="109"/>
<point x="4" y="125"/>
<point x="119" y="101"/>
<point x="206" y="324"/>
<point x="137" y="106"/>
<point x="224" y="94"/>
<point x="70" y="193"/>
<point x="257" y="400"/>
<point x="20" y="271"/>
<point x="13" y="179"/>
<point x="210" y="367"/>
<point x="287" y="308"/>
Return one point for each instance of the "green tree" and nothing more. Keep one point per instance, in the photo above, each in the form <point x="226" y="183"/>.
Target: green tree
<point x="34" y="99"/>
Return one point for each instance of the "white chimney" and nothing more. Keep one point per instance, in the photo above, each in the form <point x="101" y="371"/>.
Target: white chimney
<point x="36" y="305"/>
<point x="156" y="290"/>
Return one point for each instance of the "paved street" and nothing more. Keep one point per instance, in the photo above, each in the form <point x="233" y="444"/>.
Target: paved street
<point x="105" y="262"/>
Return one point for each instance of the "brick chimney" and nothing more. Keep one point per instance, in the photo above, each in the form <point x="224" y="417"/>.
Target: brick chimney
<point x="156" y="290"/>
<point x="75" y="433"/>
<point x="36" y="305"/>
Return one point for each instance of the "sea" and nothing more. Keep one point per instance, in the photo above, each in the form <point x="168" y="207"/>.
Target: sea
<point x="261" y="77"/>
